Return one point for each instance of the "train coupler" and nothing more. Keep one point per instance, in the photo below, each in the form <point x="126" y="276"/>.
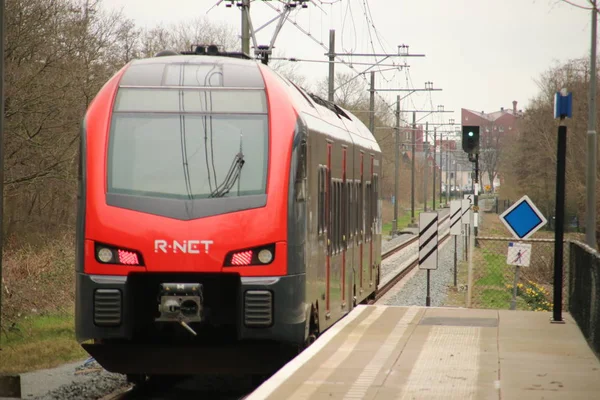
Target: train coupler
<point x="182" y="303"/>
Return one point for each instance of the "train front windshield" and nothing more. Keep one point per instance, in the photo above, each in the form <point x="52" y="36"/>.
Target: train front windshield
<point x="188" y="143"/>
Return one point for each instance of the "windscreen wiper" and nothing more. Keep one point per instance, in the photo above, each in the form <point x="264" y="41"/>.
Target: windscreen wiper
<point x="232" y="176"/>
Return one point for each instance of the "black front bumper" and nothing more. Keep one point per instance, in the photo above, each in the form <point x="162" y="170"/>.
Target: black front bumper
<point x="121" y="310"/>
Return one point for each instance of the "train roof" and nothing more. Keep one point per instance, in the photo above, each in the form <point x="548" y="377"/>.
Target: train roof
<point x="242" y="72"/>
<point x="155" y="71"/>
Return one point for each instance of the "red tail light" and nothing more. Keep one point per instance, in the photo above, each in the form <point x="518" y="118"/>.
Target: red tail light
<point x="128" y="258"/>
<point x="242" y="258"/>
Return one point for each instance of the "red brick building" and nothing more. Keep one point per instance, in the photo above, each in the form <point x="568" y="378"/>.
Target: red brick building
<point x="502" y="122"/>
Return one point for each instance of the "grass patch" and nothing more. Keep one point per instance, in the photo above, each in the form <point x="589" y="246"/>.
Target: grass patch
<point x="494" y="274"/>
<point x="39" y="342"/>
<point x="494" y="299"/>
<point x="403" y="222"/>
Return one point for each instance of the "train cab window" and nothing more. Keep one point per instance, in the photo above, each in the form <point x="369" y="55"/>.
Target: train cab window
<point x="193" y="75"/>
<point x="203" y="153"/>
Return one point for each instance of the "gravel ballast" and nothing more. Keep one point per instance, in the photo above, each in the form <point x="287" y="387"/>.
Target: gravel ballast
<point x="414" y="292"/>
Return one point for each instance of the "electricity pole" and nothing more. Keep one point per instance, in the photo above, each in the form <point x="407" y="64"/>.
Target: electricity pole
<point x="440" y="109"/>
<point x="397" y="167"/>
<point x="371" y="103"/>
<point x="592" y="147"/>
<point x="412" y="170"/>
<point x="434" y="165"/>
<point x="248" y="31"/>
<point x="425" y="165"/>
<point x="332" y="65"/>
<point x="245" y="27"/>
<point x="447" y="175"/>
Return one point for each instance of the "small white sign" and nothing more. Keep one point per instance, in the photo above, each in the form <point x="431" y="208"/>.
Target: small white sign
<point x="455" y="217"/>
<point x="466" y="212"/>
<point x="519" y="254"/>
<point x="428" y="240"/>
<point x="471" y="198"/>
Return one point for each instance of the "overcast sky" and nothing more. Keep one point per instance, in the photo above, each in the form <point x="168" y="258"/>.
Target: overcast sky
<point x="483" y="53"/>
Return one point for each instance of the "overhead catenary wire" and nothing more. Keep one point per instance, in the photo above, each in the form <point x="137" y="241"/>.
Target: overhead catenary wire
<point x="368" y="17"/>
<point x="345" y="62"/>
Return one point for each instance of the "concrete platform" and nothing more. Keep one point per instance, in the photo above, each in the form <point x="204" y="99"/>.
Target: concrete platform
<point x="381" y="352"/>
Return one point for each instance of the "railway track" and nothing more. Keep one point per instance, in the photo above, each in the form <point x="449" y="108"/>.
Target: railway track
<point x="413" y="263"/>
<point x="184" y="388"/>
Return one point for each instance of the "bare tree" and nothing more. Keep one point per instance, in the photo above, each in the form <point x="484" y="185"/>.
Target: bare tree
<point x="529" y="161"/>
<point x="183" y="35"/>
<point x="289" y="69"/>
<point x="583" y="4"/>
<point x="490" y="150"/>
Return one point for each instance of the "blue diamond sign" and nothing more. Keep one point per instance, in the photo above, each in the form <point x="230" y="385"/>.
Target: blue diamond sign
<point x="523" y="218"/>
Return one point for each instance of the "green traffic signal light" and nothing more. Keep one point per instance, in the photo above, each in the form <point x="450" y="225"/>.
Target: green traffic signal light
<point x="470" y="139"/>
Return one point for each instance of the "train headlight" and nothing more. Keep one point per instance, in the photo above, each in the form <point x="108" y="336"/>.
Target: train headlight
<point x="105" y="255"/>
<point x="108" y="254"/>
<point x="265" y="256"/>
<point x="260" y="256"/>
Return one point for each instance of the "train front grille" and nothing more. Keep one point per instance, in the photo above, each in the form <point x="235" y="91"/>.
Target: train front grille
<point x="258" y="308"/>
<point x="107" y="307"/>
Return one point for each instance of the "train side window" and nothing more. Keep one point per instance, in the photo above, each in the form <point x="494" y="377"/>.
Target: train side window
<point x="338" y="219"/>
<point x="356" y="207"/>
<point x="345" y="222"/>
<point x="368" y="212"/>
<point x="361" y="220"/>
<point x="321" y="202"/>
<point x="335" y="217"/>
<point x="375" y="197"/>
<point x="341" y="215"/>
<point x="330" y="217"/>
<point x="348" y="212"/>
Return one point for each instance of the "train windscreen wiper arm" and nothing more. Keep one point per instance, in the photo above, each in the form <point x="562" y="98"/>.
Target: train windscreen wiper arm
<point x="232" y="176"/>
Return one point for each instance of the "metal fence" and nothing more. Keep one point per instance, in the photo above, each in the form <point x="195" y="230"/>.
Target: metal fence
<point x="498" y="285"/>
<point x="584" y="291"/>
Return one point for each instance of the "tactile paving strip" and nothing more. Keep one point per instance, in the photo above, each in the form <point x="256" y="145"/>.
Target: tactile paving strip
<point x="455" y="321"/>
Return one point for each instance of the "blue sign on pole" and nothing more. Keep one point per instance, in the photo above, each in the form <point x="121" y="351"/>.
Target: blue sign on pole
<point x="563" y="104"/>
<point x="523" y="218"/>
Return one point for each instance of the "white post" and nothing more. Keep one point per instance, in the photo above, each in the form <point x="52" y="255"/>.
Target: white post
<point x="471" y="250"/>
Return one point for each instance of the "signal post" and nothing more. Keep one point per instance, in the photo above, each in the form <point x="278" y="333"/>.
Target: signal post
<point x="470" y="145"/>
